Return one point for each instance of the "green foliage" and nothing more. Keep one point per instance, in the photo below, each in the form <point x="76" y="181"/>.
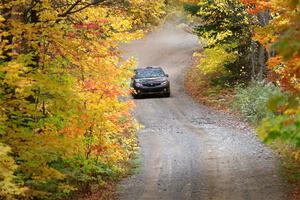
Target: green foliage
<point x="225" y="22"/>
<point x="191" y="8"/>
<point x="225" y="25"/>
<point x="276" y="113"/>
<point x="214" y="70"/>
<point x="251" y="101"/>
<point x="285" y="124"/>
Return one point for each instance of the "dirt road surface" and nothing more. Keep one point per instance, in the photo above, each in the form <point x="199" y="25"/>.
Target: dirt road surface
<point x="189" y="151"/>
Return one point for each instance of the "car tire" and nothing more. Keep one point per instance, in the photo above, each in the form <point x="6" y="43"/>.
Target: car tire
<point x="136" y="96"/>
<point x="167" y="94"/>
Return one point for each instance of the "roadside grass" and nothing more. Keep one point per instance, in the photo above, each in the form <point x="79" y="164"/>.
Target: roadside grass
<point x="134" y="167"/>
<point x="245" y="103"/>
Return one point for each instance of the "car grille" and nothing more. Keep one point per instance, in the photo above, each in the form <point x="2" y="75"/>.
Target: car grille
<point x="151" y="84"/>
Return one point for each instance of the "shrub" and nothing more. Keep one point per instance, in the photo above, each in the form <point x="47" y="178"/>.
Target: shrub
<point x="285" y="125"/>
<point x="251" y="101"/>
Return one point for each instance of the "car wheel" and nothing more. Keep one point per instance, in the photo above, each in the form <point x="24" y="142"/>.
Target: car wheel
<point x="135" y="96"/>
<point x="167" y="94"/>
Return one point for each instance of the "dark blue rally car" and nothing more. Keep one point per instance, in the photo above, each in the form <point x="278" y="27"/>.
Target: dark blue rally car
<point x="150" y="80"/>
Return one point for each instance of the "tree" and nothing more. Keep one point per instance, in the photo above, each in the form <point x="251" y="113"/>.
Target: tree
<point x="63" y="123"/>
<point x="280" y="37"/>
<point x="226" y="24"/>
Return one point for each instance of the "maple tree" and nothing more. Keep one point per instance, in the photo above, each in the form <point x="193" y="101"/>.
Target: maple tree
<point x="280" y="33"/>
<point x="281" y="36"/>
<point x="64" y="120"/>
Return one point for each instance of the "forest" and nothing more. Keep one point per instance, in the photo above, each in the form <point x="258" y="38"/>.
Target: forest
<point x="66" y="123"/>
<point x="257" y="45"/>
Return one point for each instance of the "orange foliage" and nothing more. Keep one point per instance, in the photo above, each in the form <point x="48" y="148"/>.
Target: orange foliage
<point x="282" y="35"/>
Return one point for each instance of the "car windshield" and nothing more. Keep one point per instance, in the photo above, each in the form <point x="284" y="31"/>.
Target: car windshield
<point x="149" y="73"/>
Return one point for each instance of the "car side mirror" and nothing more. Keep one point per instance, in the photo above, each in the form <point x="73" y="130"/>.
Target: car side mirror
<point x="166" y="75"/>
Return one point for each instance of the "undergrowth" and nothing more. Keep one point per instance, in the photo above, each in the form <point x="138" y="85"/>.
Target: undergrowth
<point x="251" y="101"/>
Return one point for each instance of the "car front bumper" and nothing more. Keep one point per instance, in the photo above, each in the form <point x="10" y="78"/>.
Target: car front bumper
<point x="152" y="90"/>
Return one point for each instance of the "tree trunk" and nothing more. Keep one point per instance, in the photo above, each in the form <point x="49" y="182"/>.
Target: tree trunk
<point x="259" y="54"/>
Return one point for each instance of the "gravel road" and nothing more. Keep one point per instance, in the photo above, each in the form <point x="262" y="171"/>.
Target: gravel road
<point x="189" y="151"/>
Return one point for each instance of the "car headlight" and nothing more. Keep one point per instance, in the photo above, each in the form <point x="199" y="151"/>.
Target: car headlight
<point x="165" y="83"/>
<point x="138" y="84"/>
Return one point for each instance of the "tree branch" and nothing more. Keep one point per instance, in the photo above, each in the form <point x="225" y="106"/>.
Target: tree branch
<point x="67" y="12"/>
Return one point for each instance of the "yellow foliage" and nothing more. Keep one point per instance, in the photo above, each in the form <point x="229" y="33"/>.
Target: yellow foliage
<point x="209" y="65"/>
<point x="62" y="81"/>
<point x="8" y="188"/>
